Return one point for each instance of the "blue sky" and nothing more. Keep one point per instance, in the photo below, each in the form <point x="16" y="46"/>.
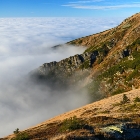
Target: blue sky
<point x="68" y="8"/>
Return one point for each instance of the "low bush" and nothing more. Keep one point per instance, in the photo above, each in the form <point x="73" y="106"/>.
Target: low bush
<point x="21" y="136"/>
<point x="118" y="91"/>
<point x="137" y="99"/>
<point x="71" y="124"/>
<point x="125" y="99"/>
<point x="16" y="131"/>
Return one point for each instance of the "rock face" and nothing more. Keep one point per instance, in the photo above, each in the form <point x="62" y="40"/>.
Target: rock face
<point x="67" y="65"/>
<point x="122" y="131"/>
<point x="110" y="64"/>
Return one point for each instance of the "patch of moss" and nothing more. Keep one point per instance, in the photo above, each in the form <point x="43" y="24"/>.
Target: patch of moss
<point x="137" y="41"/>
<point x="134" y="74"/>
<point x="131" y="107"/>
<point x="118" y="91"/>
<point x="85" y="65"/>
<point x="124" y="65"/>
<point x="90" y="49"/>
<point x="103" y="50"/>
<point x="126" y="26"/>
<point x="99" y="60"/>
<point x="137" y="99"/>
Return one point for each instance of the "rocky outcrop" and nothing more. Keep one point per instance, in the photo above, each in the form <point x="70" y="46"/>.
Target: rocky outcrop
<point x="126" y="131"/>
<point x="110" y="61"/>
<point x="68" y="66"/>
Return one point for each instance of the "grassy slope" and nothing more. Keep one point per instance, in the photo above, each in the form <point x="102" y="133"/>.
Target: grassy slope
<point x="113" y="75"/>
<point x="96" y="115"/>
<point x="117" y="72"/>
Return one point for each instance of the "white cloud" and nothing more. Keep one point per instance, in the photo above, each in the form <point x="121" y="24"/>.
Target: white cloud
<point x="25" y="44"/>
<point x="87" y="1"/>
<point x="82" y="5"/>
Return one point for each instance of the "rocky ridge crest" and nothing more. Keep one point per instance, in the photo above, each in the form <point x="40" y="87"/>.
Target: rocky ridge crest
<point x="110" y="61"/>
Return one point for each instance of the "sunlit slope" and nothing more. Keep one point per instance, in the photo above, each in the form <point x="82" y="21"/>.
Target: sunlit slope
<point x="111" y="112"/>
<point x="109" y="66"/>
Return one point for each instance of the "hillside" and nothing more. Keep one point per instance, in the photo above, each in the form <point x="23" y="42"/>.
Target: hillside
<point x="102" y="119"/>
<point x="110" y="65"/>
<point x="109" y="69"/>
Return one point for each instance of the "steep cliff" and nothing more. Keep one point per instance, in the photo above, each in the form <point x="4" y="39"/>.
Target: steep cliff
<point x="110" y="64"/>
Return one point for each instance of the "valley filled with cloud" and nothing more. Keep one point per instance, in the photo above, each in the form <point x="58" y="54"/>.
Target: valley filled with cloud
<point x="25" y="44"/>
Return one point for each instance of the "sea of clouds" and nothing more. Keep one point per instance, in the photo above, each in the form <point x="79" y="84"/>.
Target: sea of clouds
<point x="25" y="44"/>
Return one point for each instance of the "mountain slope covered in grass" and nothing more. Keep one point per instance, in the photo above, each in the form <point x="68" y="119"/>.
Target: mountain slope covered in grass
<point x="110" y="64"/>
<point x="114" y="117"/>
<point x="109" y="69"/>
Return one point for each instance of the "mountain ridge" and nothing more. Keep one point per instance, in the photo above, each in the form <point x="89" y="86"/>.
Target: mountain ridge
<point x="105" y="50"/>
<point x="110" y="65"/>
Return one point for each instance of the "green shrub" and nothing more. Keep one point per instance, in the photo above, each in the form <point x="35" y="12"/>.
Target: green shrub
<point x="16" y="131"/>
<point x="85" y="65"/>
<point x="118" y="91"/>
<point x="80" y="41"/>
<point x="72" y="123"/>
<point x="100" y="59"/>
<point x="103" y="50"/>
<point x="131" y="107"/>
<point x="137" y="41"/>
<point x="134" y="74"/>
<point x="21" y="136"/>
<point x="137" y="99"/>
<point x="125" y="99"/>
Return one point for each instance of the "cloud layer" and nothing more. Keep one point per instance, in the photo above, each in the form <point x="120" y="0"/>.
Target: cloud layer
<point x="25" y="44"/>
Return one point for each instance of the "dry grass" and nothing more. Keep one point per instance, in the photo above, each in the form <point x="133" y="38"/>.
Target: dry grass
<point x="102" y="112"/>
<point x="107" y="111"/>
